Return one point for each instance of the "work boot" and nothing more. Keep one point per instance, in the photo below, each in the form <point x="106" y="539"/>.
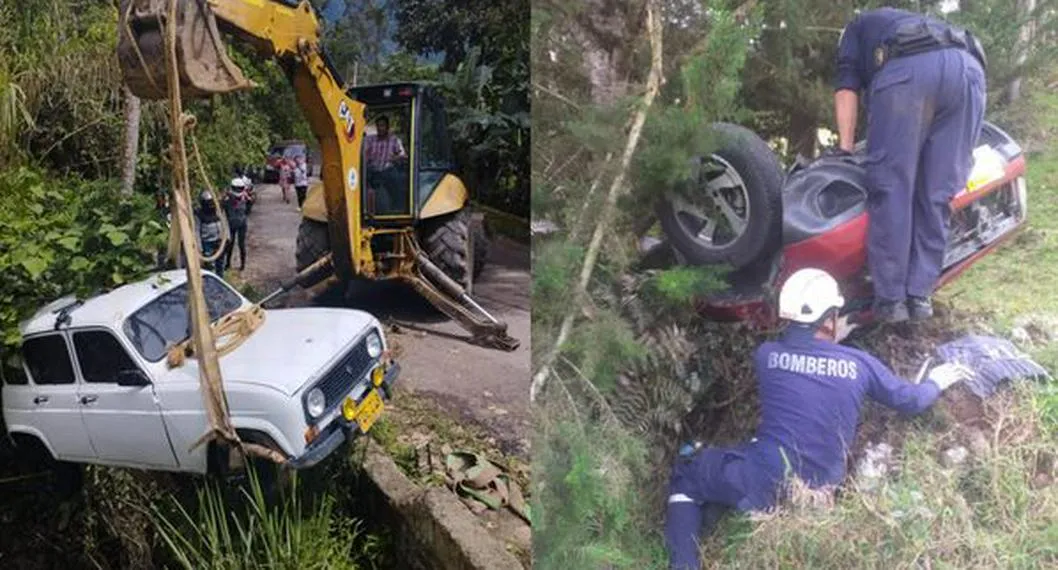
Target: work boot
<point x="890" y="311"/>
<point x="919" y="308"/>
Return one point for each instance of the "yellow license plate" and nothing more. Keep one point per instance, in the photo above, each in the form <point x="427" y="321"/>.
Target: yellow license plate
<point x="367" y="412"/>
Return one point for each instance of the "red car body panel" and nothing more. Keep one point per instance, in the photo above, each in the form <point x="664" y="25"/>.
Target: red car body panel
<point x="842" y="252"/>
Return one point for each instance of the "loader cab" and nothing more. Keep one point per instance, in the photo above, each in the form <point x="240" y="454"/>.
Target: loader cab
<point x="406" y="151"/>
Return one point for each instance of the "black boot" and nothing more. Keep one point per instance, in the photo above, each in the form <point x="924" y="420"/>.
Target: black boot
<point x="920" y="308"/>
<point x="890" y="311"/>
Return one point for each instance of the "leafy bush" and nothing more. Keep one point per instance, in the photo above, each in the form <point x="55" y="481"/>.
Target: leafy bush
<point x="60" y="236"/>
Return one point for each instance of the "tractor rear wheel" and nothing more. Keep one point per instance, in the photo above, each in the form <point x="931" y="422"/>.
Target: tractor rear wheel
<point x="448" y="242"/>
<point x="313" y="243"/>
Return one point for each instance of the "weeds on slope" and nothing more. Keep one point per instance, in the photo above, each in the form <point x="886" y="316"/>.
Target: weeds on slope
<point x="999" y="509"/>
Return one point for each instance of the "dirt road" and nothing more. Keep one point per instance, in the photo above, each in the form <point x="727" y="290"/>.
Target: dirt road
<point x="486" y="386"/>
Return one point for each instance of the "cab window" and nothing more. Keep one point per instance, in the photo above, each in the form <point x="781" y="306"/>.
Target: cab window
<point x="101" y="356"/>
<point x="48" y="360"/>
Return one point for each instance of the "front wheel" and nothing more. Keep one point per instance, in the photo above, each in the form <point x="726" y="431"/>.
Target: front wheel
<point x="448" y="242"/>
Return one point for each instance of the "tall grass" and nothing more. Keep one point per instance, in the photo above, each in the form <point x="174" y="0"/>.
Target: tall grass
<point x="998" y="510"/>
<point x="217" y="536"/>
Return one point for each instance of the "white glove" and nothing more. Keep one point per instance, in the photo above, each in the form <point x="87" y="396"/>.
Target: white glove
<point x="945" y="375"/>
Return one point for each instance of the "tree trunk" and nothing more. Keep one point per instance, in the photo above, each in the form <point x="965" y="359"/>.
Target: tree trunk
<point x="132" y="142"/>
<point x="1012" y="92"/>
<point x="803" y="135"/>
<point x="618" y="188"/>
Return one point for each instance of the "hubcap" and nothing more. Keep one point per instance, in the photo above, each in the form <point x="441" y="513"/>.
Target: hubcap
<point x="715" y="208"/>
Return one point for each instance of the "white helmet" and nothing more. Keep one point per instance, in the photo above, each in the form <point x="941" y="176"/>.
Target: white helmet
<point x="238" y="182"/>
<point x="807" y="295"/>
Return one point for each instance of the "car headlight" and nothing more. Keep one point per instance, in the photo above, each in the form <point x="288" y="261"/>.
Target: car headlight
<point x="374" y="344"/>
<point x="315" y="402"/>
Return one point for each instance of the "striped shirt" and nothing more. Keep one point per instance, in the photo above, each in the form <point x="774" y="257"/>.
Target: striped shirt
<point x="380" y="152"/>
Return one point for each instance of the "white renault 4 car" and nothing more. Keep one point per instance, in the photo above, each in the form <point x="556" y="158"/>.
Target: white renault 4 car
<point x="92" y="385"/>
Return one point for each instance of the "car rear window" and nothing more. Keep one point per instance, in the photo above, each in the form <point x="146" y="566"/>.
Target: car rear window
<point x="48" y="359"/>
<point x="165" y="321"/>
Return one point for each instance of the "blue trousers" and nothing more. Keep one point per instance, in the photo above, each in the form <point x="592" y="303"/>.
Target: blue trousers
<point x="710" y="482"/>
<point x="924" y="117"/>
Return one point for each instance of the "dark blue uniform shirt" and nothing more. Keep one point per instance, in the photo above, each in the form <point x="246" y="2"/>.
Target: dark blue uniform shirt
<point x="861" y="37"/>
<point x="811" y="392"/>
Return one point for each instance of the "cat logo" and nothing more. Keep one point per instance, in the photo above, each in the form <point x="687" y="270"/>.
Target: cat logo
<point x="879" y="56"/>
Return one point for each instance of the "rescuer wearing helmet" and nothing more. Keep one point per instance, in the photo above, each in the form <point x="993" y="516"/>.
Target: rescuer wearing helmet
<point x="236" y="203"/>
<point x="811" y="390"/>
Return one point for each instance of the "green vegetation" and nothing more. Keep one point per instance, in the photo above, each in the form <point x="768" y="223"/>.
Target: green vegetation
<point x="641" y="372"/>
<point x="218" y="537"/>
<point x="67" y="227"/>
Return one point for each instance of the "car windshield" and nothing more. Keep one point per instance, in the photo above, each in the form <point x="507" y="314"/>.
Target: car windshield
<point x="165" y="321"/>
<point x="293" y="151"/>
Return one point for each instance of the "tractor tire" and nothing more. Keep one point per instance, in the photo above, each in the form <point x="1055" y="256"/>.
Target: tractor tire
<point x="313" y="243"/>
<point x="481" y="249"/>
<point x="448" y="242"/>
<point x="749" y="177"/>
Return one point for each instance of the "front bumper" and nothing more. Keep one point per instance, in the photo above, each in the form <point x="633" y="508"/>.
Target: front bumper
<point x="340" y="430"/>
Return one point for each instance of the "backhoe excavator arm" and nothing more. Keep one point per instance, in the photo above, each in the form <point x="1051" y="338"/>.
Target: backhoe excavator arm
<point x="289" y="32"/>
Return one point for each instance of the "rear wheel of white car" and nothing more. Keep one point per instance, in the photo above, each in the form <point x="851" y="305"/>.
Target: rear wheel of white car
<point x="731" y="212"/>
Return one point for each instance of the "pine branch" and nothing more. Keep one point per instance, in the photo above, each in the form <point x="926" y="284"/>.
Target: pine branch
<point x="617" y="189"/>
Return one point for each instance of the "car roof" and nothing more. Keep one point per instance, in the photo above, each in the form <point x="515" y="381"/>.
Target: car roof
<point x="106" y="309"/>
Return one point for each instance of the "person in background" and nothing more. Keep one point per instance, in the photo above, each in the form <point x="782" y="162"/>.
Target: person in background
<point x="209" y="232"/>
<point x="235" y="203"/>
<point x="284" y="178"/>
<point x="301" y="179"/>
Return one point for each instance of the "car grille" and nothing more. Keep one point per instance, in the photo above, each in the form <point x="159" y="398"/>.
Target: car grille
<point x="341" y="379"/>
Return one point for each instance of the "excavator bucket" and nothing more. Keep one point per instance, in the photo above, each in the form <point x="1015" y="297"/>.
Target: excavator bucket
<point x="203" y="63"/>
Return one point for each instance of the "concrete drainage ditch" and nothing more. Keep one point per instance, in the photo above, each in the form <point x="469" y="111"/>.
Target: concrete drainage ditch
<point x="433" y="528"/>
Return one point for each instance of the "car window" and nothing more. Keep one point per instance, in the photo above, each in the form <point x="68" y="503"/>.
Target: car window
<point x="165" y="321"/>
<point x="294" y="151"/>
<point x="11" y="368"/>
<point x="48" y="359"/>
<point x="101" y="356"/>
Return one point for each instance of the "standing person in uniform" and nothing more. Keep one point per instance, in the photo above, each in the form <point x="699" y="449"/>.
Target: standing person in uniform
<point x="924" y="84"/>
<point x="301" y="179"/>
<point x="811" y="391"/>
<point x="235" y="203"/>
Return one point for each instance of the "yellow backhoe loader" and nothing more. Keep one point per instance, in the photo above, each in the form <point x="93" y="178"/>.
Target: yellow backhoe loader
<point x="395" y="214"/>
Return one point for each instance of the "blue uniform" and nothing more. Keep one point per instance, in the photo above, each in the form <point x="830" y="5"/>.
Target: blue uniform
<point x="811" y="392"/>
<point x="924" y="117"/>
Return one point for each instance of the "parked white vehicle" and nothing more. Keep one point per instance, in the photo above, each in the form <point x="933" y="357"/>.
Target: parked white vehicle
<point x="95" y="386"/>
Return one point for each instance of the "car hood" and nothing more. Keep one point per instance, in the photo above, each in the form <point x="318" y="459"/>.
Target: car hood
<point x="294" y="346"/>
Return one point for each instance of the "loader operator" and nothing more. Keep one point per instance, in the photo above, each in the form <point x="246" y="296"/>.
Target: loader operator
<point x="811" y="390"/>
<point x="924" y="87"/>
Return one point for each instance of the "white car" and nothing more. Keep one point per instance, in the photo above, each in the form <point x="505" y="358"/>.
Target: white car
<point x="95" y="386"/>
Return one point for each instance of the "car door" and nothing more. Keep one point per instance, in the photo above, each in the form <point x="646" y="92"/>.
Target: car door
<point x="124" y="423"/>
<point x="48" y="401"/>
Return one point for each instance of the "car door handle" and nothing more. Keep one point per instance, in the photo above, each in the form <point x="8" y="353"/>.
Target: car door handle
<point x="88" y="399"/>
<point x="40" y="400"/>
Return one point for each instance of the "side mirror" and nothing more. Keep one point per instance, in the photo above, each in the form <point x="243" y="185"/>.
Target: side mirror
<point x="133" y="378"/>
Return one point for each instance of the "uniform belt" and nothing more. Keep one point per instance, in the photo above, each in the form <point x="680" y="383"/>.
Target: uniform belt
<point x="913" y="39"/>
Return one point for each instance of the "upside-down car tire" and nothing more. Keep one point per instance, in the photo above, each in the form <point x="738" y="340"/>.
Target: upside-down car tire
<point x="731" y="212"/>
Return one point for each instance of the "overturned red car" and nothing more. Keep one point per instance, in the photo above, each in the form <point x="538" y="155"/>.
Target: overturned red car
<point x="741" y="210"/>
